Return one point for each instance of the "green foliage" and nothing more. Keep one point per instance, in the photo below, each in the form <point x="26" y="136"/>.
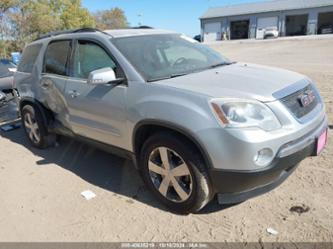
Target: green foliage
<point x="24" y="20"/>
<point x="75" y="16"/>
<point x="111" y="19"/>
<point x="6" y="47"/>
<point x="5" y="5"/>
<point x="41" y="17"/>
<point x="44" y="16"/>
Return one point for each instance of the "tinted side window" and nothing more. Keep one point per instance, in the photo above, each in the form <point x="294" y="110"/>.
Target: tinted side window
<point x="90" y="57"/>
<point x="56" y="57"/>
<point x="29" y="57"/>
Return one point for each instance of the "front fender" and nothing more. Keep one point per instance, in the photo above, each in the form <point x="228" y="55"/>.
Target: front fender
<point x="182" y="108"/>
<point x="182" y="111"/>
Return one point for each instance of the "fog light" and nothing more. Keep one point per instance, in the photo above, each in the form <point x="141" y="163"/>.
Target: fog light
<point x="263" y="157"/>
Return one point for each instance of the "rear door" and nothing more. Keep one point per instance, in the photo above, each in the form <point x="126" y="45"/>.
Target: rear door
<point x="96" y="111"/>
<point x="54" y="77"/>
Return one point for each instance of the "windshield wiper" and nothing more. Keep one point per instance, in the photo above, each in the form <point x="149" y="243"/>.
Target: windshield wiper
<point x="167" y="77"/>
<point x="222" y="64"/>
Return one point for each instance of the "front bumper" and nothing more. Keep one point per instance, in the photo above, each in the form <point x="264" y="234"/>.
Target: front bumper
<point x="237" y="186"/>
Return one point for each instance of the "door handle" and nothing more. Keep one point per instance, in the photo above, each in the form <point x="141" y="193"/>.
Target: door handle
<point x="73" y="93"/>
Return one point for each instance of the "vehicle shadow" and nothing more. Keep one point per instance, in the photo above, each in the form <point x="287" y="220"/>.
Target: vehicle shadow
<point x="97" y="167"/>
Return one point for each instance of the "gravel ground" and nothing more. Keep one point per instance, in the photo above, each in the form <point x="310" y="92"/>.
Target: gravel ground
<point x="40" y="199"/>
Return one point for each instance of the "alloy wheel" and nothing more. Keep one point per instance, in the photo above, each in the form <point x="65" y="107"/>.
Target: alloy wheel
<point x="31" y="127"/>
<point x="170" y="174"/>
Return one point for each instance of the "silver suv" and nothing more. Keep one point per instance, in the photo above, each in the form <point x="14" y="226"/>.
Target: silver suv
<point x="195" y="124"/>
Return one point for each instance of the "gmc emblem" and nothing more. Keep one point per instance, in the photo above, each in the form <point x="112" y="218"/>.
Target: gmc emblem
<point x="307" y="98"/>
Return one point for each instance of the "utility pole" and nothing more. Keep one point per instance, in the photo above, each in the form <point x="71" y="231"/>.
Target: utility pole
<point x="140" y="15"/>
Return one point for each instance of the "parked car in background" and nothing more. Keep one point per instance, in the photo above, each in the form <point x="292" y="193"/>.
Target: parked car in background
<point x="271" y="32"/>
<point x="16" y="57"/>
<point x="8" y="107"/>
<point x="325" y="29"/>
<point x="7" y="70"/>
<point x="195" y="124"/>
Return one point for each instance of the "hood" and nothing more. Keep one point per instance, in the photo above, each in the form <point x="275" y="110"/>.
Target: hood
<point x="237" y="81"/>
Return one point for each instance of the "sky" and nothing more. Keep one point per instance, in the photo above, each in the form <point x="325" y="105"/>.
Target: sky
<point x="177" y="15"/>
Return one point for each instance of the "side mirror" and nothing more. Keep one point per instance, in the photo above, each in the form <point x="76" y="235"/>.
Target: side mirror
<point x="102" y="76"/>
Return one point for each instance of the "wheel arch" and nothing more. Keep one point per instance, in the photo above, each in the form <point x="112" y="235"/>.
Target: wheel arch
<point x="146" y="128"/>
<point x="46" y="114"/>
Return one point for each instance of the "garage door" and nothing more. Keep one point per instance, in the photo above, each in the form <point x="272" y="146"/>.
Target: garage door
<point x="212" y="31"/>
<point x="325" y="23"/>
<point x="266" y="22"/>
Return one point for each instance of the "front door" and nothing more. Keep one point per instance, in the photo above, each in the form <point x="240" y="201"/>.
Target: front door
<point x="96" y="111"/>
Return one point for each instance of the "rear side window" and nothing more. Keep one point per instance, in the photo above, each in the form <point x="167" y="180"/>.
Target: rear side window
<point x="56" y="58"/>
<point x="29" y="57"/>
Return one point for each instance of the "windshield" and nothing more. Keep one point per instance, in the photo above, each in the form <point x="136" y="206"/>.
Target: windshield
<point x="159" y="57"/>
<point x="7" y="68"/>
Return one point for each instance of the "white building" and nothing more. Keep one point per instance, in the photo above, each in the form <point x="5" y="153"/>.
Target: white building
<point x="289" y="17"/>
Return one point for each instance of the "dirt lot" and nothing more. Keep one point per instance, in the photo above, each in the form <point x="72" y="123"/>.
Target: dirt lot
<point x="40" y="190"/>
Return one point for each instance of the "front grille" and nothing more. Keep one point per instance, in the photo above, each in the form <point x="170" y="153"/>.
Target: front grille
<point x="294" y="104"/>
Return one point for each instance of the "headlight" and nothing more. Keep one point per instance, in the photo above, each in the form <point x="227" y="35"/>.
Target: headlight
<point x="245" y="113"/>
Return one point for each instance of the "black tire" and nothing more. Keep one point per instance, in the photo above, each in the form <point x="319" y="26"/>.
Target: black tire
<point x="201" y="192"/>
<point x="45" y="139"/>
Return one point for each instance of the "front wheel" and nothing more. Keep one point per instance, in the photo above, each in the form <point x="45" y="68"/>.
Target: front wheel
<point x="174" y="171"/>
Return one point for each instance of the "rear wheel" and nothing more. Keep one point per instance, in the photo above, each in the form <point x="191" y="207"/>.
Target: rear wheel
<point x="35" y="128"/>
<point x="175" y="173"/>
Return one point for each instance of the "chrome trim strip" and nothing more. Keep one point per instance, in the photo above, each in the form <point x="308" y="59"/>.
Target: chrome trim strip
<point x="303" y="84"/>
<point x="304" y="141"/>
<point x="291" y="89"/>
<point x="311" y="115"/>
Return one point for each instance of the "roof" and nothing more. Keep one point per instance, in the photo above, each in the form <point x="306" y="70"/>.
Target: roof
<point x="136" y="32"/>
<point x="252" y="8"/>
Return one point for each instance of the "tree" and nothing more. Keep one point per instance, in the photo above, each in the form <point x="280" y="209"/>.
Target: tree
<point x="5" y="5"/>
<point x="5" y="29"/>
<point x="111" y="19"/>
<point x="41" y="17"/>
<point x="31" y="18"/>
<point x="75" y="16"/>
<point x="21" y="21"/>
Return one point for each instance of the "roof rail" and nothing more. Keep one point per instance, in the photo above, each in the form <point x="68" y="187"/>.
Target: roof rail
<point x="143" y="27"/>
<point x="71" y="31"/>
